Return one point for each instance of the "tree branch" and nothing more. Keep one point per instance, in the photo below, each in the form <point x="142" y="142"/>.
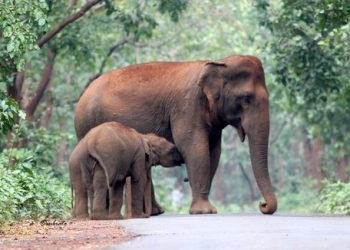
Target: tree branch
<point x="48" y="36"/>
<point x="112" y="49"/>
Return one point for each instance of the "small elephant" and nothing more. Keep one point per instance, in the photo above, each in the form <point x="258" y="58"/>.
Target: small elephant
<point x="107" y="155"/>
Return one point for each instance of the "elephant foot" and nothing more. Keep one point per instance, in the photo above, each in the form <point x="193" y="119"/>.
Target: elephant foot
<point x="142" y="215"/>
<point x="83" y="216"/>
<point x="115" y="216"/>
<point x="202" y="206"/>
<point x="156" y="209"/>
<point x="99" y="216"/>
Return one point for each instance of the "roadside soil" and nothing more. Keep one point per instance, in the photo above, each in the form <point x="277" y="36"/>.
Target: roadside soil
<point x="62" y="234"/>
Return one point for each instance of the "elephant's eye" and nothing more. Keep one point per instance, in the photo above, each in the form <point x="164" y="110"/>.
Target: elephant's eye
<point x="245" y="100"/>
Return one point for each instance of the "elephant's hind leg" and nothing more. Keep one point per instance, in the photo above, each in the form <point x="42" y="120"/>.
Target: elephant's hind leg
<point x="99" y="207"/>
<point x="116" y="200"/>
<point x="80" y="209"/>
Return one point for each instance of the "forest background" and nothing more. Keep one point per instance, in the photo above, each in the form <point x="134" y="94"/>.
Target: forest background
<point x="50" y="51"/>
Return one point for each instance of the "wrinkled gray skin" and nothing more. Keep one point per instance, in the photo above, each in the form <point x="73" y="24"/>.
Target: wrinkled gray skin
<point x="189" y="103"/>
<point x="106" y="156"/>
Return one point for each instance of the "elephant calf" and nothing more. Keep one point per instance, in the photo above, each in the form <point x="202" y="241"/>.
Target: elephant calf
<point x="108" y="154"/>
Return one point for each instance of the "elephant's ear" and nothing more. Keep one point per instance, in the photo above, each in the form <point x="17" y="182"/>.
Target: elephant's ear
<point x="211" y="81"/>
<point x="217" y="63"/>
<point x="147" y="149"/>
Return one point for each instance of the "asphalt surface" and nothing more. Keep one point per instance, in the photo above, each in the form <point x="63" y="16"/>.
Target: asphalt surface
<point x="238" y="231"/>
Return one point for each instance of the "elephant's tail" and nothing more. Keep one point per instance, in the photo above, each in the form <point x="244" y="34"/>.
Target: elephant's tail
<point x="72" y="195"/>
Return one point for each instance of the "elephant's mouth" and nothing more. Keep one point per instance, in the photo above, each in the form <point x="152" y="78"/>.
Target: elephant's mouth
<point x="178" y="158"/>
<point x="240" y="130"/>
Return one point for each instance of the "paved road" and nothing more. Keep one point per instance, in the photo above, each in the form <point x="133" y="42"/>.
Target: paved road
<point x="238" y="231"/>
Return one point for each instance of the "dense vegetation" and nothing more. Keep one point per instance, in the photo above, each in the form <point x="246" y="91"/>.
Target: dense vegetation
<point x="51" y="50"/>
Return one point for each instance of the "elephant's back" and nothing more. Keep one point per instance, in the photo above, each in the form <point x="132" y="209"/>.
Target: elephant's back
<point x="113" y="137"/>
<point x="139" y="96"/>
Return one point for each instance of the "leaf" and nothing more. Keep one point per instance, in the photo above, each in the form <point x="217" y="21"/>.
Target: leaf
<point x="10" y="47"/>
<point x="41" y="21"/>
<point x="39" y="204"/>
<point x="7" y="31"/>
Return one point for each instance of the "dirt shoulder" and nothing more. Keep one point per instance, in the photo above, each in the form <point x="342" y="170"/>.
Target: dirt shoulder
<point x="58" y="234"/>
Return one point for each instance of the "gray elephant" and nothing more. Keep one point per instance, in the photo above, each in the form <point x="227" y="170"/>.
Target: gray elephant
<point x="189" y="103"/>
<point x="106" y="156"/>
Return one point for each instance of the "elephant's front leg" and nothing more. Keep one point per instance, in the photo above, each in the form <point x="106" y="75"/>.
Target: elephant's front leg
<point x="197" y="158"/>
<point x="99" y="207"/>
<point x="215" y="152"/>
<point x="138" y="185"/>
<point x="156" y="208"/>
<point x="148" y="196"/>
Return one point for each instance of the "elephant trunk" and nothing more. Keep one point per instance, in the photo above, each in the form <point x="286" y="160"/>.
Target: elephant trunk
<point x="258" y="137"/>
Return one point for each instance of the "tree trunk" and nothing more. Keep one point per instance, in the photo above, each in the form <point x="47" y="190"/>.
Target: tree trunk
<point x="45" y="120"/>
<point x="313" y="151"/>
<point x="44" y="82"/>
<point x="341" y="169"/>
<point x="14" y="90"/>
<point x="318" y="151"/>
<point x="308" y="158"/>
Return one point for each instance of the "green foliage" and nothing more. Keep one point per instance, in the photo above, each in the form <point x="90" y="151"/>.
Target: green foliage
<point x="20" y="23"/>
<point x="300" y="200"/>
<point x="137" y="23"/>
<point x="33" y="188"/>
<point x="27" y="193"/>
<point x="335" y="198"/>
<point x="9" y="113"/>
<point x="173" y="7"/>
<point x="310" y="43"/>
<point x="42" y="145"/>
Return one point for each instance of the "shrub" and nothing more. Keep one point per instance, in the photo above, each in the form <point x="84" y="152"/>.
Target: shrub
<point x="335" y="198"/>
<point x="27" y="193"/>
<point x="9" y="113"/>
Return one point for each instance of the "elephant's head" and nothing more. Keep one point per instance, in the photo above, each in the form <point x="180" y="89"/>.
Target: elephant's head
<point x="160" y="151"/>
<point x="235" y="94"/>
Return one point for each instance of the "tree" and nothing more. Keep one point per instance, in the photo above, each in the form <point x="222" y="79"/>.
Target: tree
<point x="48" y="31"/>
<point x="310" y="43"/>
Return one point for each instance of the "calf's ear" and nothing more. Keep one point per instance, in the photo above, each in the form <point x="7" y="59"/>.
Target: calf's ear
<point x="146" y="146"/>
<point x="147" y="149"/>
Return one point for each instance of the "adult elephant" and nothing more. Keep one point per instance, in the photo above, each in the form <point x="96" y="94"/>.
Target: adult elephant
<point x="189" y="103"/>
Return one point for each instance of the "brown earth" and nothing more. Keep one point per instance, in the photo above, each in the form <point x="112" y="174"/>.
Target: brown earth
<point x="62" y="234"/>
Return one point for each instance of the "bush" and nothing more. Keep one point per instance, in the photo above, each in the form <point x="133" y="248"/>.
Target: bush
<point x="25" y="193"/>
<point x="335" y="198"/>
<point x="9" y="113"/>
<point x="30" y="187"/>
